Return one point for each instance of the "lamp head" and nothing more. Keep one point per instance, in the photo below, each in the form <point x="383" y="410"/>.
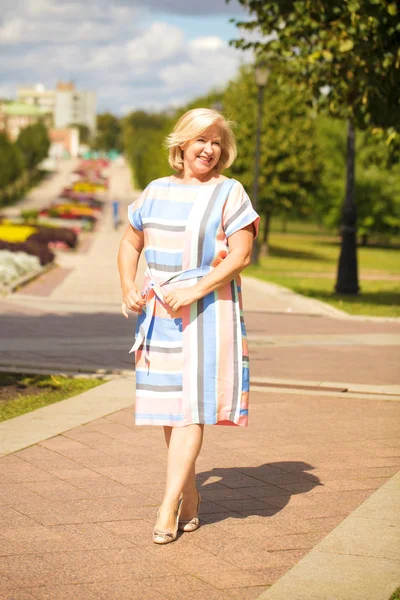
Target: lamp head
<point x="261" y="72"/>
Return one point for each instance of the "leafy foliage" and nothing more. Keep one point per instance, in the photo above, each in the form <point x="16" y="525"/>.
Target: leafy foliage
<point x="84" y="132"/>
<point x="377" y="187"/>
<point x="143" y="137"/>
<point x="352" y="46"/>
<point x="290" y="167"/>
<point x="34" y="143"/>
<point x="11" y="161"/>
<point x="108" y="135"/>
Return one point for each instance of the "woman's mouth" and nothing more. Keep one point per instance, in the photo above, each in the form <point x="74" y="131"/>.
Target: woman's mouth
<point x="204" y="160"/>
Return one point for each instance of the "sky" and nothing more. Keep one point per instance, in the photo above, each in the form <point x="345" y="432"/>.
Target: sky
<point x="149" y="54"/>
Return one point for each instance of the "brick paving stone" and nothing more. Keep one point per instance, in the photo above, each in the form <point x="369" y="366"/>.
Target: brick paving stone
<point x="25" y="570"/>
<point x="75" y="591"/>
<point x="8" y="547"/>
<point x="127" y="475"/>
<point x="12" y="518"/>
<point x="246" y="593"/>
<point x="86" y="510"/>
<point x="17" y="594"/>
<point x="74" y="567"/>
<point x="21" y="470"/>
<point x="335" y="363"/>
<point x="235" y="578"/>
<point x="11" y="492"/>
<point x="299" y="541"/>
<point x="60" y="490"/>
<point x="187" y="586"/>
<point x="151" y="589"/>
<point x="6" y="584"/>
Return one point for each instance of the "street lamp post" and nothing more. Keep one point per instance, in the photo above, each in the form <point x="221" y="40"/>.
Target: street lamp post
<point x="347" y="276"/>
<point x="261" y="73"/>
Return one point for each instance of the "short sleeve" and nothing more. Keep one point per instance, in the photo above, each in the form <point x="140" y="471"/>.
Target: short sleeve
<point x="134" y="214"/>
<point x="238" y="211"/>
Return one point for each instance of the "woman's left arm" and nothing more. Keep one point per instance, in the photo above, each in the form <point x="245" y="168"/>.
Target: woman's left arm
<point x="240" y="246"/>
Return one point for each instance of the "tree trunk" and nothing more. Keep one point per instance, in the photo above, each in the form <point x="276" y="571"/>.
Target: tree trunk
<point x="265" y="238"/>
<point x="364" y="239"/>
<point x="347" y="275"/>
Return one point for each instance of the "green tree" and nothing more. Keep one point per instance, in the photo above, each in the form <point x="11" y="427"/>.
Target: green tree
<point x="11" y="161"/>
<point x="84" y="132"/>
<point x="108" y="136"/>
<point x="143" y="137"/>
<point x="34" y="143"/>
<point x="350" y="47"/>
<point x="377" y="185"/>
<point x="289" y="165"/>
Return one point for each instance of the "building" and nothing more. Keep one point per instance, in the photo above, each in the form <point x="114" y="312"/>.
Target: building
<point x="64" y="142"/>
<point x="68" y="105"/>
<point x="15" y="116"/>
<point x="37" y="95"/>
<point x="74" y="107"/>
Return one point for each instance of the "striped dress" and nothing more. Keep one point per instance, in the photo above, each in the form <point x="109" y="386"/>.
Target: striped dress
<point x="192" y="365"/>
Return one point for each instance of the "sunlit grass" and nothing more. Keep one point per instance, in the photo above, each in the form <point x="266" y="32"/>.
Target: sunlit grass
<point x="307" y="264"/>
<point x="53" y="388"/>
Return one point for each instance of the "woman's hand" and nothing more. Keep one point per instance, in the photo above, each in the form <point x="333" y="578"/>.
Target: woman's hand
<point x="181" y="297"/>
<point x="132" y="300"/>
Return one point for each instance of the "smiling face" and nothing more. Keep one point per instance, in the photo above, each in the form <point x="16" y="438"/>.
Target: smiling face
<point x="202" y="154"/>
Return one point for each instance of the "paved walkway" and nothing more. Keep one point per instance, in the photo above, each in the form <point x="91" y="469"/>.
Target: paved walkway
<point x="304" y="504"/>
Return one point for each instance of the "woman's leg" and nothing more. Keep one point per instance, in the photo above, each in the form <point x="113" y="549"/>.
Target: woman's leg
<point x="184" y="444"/>
<point x="189" y="492"/>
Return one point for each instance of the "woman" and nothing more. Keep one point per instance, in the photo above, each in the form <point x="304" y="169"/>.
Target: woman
<point x="197" y="229"/>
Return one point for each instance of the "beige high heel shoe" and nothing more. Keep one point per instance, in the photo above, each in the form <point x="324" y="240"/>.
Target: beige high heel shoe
<point x="165" y="537"/>
<point x="191" y="524"/>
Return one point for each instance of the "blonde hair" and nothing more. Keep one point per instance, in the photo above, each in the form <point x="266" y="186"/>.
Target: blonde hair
<point x="192" y="124"/>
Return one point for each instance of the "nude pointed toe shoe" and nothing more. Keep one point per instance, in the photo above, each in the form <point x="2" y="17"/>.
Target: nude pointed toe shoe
<point x="191" y="524"/>
<point x="165" y="537"/>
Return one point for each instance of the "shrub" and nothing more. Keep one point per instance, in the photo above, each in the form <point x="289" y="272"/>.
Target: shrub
<point x="55" y="234"/>
<point x="35" y="248"/>
<point x="30" y="216"/>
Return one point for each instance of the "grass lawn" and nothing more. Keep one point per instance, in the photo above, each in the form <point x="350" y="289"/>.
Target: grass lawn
<point x="22" y="393"/>
<point x="307" y="264"/>
<point x="395" y="595"/>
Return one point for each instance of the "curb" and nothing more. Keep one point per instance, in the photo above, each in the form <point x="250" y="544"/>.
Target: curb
<point x="358" y="560"/>
<point x="54" y="419"/>
<point x="316" y="307"/>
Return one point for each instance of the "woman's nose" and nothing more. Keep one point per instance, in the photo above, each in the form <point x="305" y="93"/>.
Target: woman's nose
<point x="208" y="147"/>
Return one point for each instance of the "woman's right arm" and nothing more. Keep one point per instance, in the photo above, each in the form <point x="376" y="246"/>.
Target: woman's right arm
<point x="128" y="258"/>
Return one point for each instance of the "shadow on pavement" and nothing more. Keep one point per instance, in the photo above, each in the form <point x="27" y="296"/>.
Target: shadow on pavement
<point x="266" y="488"/>
<point x="89" y="340"/>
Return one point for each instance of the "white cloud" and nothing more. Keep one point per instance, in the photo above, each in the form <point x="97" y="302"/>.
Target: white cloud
<point x="106" y="46"/>
<point x="160" y="42"/>
<point x="50" y="21"/>
<point x="206" y="43"/>
<point x="209" y="63"/>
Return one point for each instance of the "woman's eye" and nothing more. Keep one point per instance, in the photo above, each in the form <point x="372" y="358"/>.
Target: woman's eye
<point x="218" y="143"/>
<point x="201" y="140"/>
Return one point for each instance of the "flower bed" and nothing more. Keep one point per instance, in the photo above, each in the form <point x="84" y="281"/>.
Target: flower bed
<point x="79" y="198"/>
<point x="88" y="186"/>
<point x="14" y="265"/>
<point x="15" y="233"/>
<point x="56" y="236"/>
<point x="32" y="247"/>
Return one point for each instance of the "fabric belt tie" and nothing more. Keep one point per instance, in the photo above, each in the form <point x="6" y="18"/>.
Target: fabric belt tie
<point x="154" y="293"/>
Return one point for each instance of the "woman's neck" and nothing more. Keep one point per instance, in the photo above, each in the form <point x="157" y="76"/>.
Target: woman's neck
<point x="188" y="176"/>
